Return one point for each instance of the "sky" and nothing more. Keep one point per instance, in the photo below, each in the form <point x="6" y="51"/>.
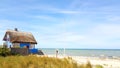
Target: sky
<point x="90" y="24"/>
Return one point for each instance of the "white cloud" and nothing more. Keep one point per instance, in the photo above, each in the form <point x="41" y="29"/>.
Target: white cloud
<point x="104" y="35"/>
<point x="42" y="8"/>
<point x="100" y="35"/>
<point x="68" y="37"/>
<point x="107" y="29"/>
<point x="45" y="17"/>
<point x="68" y="12"/>
<point x="113" y="18"/>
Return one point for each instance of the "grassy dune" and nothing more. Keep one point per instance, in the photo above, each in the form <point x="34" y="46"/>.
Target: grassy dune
<point x="39" y="62"/>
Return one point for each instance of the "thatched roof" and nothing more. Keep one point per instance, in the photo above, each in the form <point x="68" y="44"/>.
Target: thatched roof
<point x="20" y="37"/>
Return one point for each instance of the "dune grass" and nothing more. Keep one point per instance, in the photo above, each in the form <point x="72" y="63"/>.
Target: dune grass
<point x="39" y="62"/>
<point x="99" y="66"/>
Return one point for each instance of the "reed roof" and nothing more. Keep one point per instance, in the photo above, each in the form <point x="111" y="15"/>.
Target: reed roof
<point x="19" y="37"/>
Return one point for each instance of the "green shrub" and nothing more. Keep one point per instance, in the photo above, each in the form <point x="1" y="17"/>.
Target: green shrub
<point x="4" y="52"/>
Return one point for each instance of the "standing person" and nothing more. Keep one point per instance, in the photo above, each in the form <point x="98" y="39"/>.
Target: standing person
<point x="56" y="53"/>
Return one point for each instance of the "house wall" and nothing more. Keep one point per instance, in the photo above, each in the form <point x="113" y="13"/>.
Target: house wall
<point x="32" y="46"/>
<point x="21" y="51"/>
<point x="16" y="45"/>
<point x="23" y="45"/>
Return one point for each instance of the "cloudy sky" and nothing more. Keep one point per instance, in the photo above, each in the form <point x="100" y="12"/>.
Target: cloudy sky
<point x="64" y="23"/>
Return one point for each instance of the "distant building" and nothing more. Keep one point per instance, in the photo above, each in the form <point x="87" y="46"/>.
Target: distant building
<point x="20" y="39"/>
<point x="21" y="42"/>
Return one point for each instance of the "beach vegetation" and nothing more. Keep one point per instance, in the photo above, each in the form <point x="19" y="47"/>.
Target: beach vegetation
<point x="87" y="65"/>
<point x="33" y="61"/>
<point x="4" y="52"/>
<point x="98" y="66"/>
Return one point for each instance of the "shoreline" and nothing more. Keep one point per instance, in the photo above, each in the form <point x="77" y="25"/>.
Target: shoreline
<point x="103" y="61"/>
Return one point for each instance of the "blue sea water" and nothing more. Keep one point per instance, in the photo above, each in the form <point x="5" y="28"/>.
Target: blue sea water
<point x="83" y="52"/>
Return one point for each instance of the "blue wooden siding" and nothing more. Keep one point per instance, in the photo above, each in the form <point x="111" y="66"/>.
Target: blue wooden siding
<point x="33" y="51"/>
<point x="24" y="45"/>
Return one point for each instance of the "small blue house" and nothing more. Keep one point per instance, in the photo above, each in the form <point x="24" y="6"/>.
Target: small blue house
<point x="20" y="39"/>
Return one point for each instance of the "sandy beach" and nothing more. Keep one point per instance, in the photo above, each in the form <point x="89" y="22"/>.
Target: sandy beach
<point x="105" y="62"/>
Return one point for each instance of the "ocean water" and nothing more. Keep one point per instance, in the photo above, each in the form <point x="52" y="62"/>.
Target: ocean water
<point x="83" y="52"/>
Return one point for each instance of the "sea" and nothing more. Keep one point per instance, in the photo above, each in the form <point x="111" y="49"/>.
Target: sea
<point x="82" y="52"/>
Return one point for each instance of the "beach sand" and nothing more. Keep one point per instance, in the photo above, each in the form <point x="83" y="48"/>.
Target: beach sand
<point x="105" y="62"/>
